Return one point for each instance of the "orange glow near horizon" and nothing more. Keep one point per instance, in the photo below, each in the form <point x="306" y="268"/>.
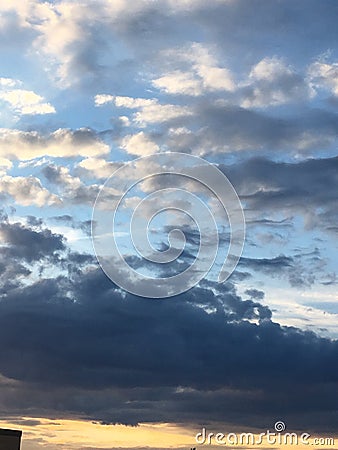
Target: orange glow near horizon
<point x="48" y="434"/>
<point x="64" y="434"/>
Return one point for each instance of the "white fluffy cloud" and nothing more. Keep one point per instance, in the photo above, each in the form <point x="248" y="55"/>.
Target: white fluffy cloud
<point x="178" y="82"/>
<point x="26" y="102"/>
<point x="216" y="78"/>
<point x="8" y="82"/>
<point x="98" y="167"/>
<point x="202" y="73"/>
<point x="124" y="102"/>
<point x="24" y="145"/>
<point x="27" y="191"/>
<point x="139" y="144"/>
<point x="269" y="69"/>
<point x="150" y="110"/>
<point x="60" y="37"/>
<point x="5" y="164"/>
<point x="324" y="74"/>
<point x="23" y="101"/>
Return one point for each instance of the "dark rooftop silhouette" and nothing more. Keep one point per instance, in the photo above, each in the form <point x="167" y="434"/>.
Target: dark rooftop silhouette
<point x="10" y="439"/>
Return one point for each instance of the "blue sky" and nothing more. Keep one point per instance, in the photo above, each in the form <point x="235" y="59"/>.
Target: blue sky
<point x="251" y="87"/>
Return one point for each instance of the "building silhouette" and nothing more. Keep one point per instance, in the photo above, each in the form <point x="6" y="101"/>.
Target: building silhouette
<point x="10" y="439"/>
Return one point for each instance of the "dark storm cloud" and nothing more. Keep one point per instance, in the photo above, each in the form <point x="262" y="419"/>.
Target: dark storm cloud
<point x="90" y="349"/>
<point x="28" y="250"/>
<point x="287" y="223"/>
<point x="302" y="269"/>
<point x="34" y="221"/>
<point x="27" y="244"/>
<point x="305" y="188"/>
<point x="266" y="264"/>
<point x="316" y="178"/>
<point x="255" y="293"/>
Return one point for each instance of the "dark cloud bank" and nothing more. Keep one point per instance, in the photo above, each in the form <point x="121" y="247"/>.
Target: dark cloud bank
<point x="75" y="346"/>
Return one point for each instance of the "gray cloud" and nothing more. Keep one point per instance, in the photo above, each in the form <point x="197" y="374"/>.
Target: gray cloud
<point x="27" y="244"/>
<point x="295" y="188"/>
<point x="91" y="349"/>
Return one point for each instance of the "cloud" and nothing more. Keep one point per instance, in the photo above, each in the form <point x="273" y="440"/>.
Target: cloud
<point x="27" y="250"/>
<point x="255" y="294"/>
<point x="72" y="190"/>
<point x="150" y="110"/>
<point x="9" y="82"/>
<point x="97" y="167"/>
<point x="201" y="76"/>
<point x="270" y="69"/>
<point x="184" y="83"/>
<point x="297" y="188"/>
<point x="139" y="144"/>
<point x="25" y="243"/>
<point x="60" y="175"/>
<point x="55" y="32"/>
<point x="301" y="270"/>
<point x="27" y="191"/>
<point x="26" y="102"/>
<point x="209" y="344"/>
<point x="60" y="39"/>
<point x="17" y="144"/>
<point x="268" y="264"/>
<point x="23" y="101"/>
<point x="220" y="128"/>
<point x="272" y="82"/>
<point x="5" y="165"/>
<point x="124" y="102"/>
<point x="59" y="31"/>
<point x="325" y="75"/>
<point x="178" y="82"/>
<point x="216" y="78"/>
<point x="75" y="60"/>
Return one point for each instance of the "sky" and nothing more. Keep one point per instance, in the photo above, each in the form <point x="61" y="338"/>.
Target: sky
<point x="86" y="88"/>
